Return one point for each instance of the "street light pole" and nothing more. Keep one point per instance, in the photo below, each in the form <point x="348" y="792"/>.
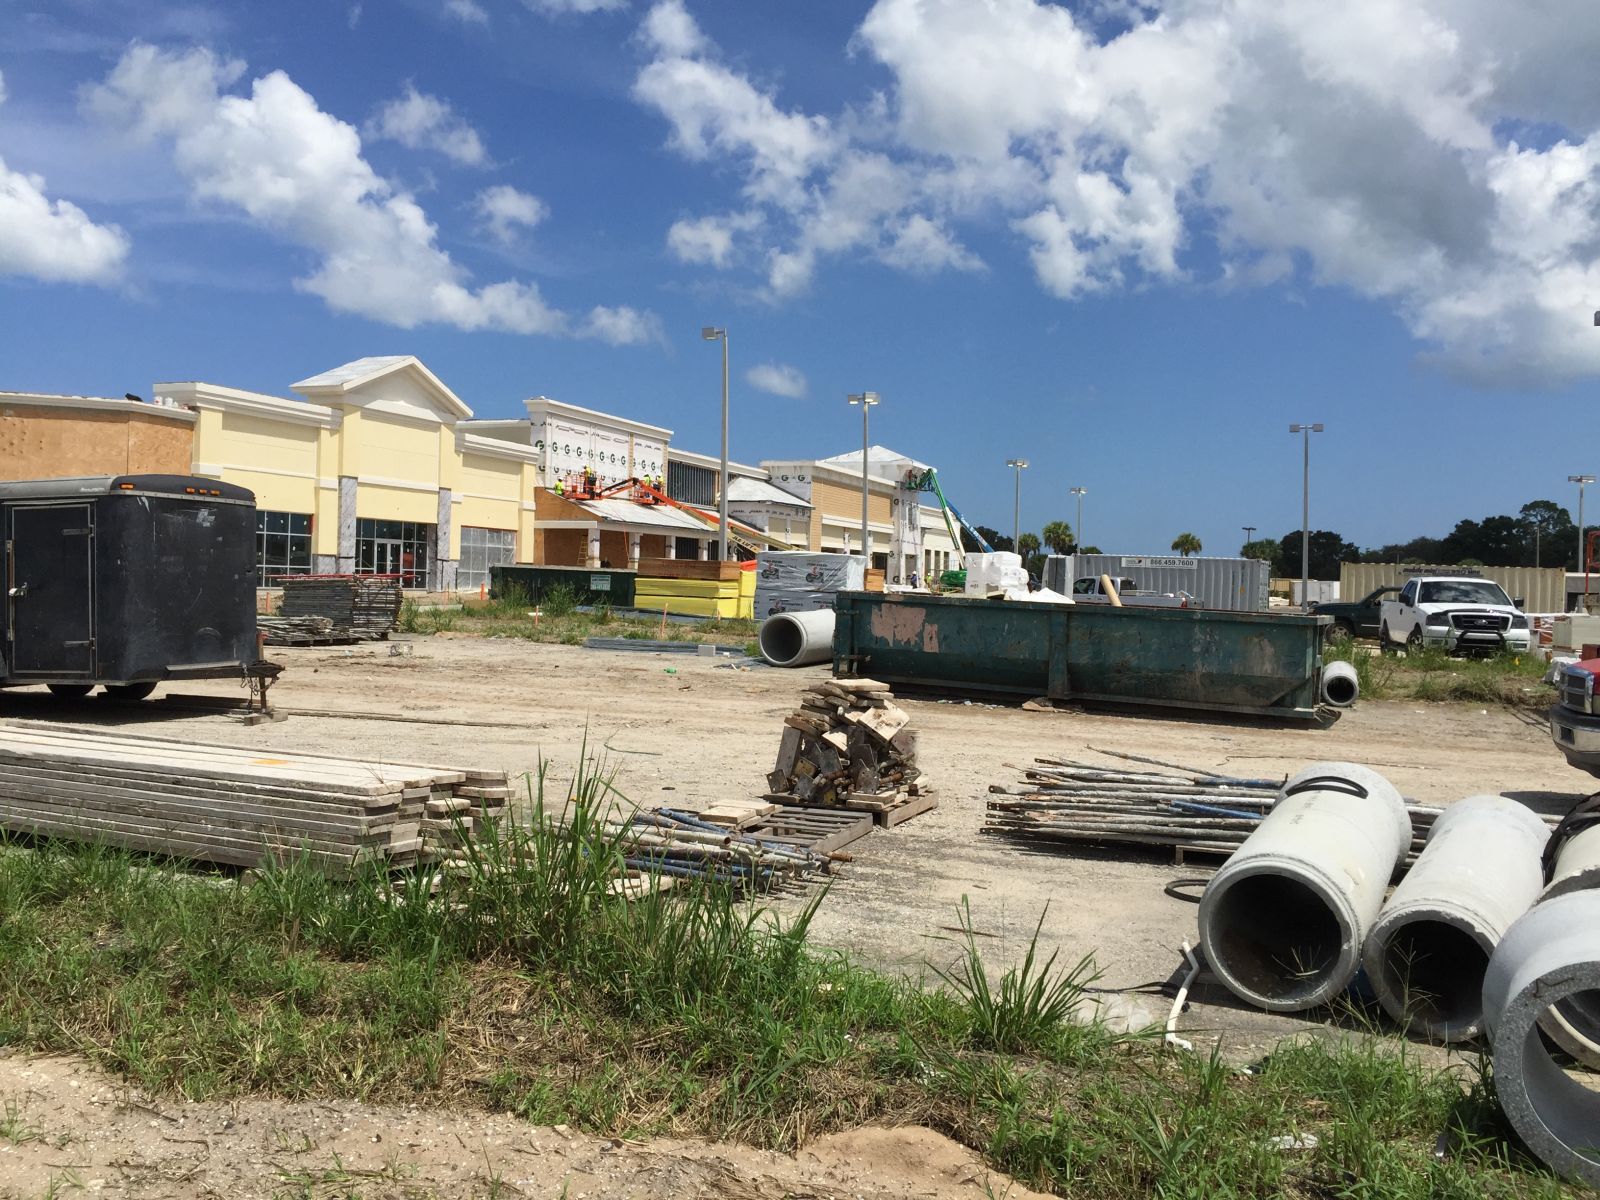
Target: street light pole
<point x="1305" y="509"/>
<point x="1580" y="480"/>
<point x="1077" y="530"/>
<point x="866" y="400"/>
<point x="711" y="334"/>
<point x="1017" y="464"/>
<point x="1249" y="533"/>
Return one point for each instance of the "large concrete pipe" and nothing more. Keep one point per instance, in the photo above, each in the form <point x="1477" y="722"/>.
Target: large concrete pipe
<point x="1283" y="922"/>
<point x="798" y="639"/>
<point x="1428" y="952"/>
<point x="1550" y="956"/>
<point x="1340" y="687"/>
<point x="1574" y="1023"/>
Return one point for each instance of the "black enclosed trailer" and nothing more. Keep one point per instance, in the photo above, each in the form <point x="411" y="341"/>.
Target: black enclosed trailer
<point x="126" y="581"/>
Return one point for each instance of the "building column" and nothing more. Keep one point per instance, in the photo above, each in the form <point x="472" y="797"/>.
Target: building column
<point x="442" y="571"/>
<point x="705" y="550"/>
<point x="633" y="550"/>
<point x="672" y="546"/>
<point x="346" y="563"/>
<point x="594" y="547"/>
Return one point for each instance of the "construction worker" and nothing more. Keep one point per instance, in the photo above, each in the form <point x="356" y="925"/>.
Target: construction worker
<point x="588" y="480"/>
<point x="560" y="487"/>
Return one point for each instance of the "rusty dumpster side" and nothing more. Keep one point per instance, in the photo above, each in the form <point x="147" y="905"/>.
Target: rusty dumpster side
<point x="1235" y="662"/>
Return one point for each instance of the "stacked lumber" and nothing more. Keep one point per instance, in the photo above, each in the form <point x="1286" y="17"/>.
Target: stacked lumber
<point x="848" y="746"/>
<point x="356" y="605"/>
<point x="239" y="806"/>
<point x="305" y="631"/>
<point x="665" y="845"/>
<point x="1067" y="804"/>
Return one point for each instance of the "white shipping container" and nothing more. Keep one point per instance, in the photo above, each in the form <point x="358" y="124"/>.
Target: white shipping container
<point x="1225" y="584"/>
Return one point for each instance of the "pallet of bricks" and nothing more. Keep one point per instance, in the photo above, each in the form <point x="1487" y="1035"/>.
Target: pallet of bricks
<point x="848" y="746"/>
<point x="240" y="806"/>
<point x="354" y="608"/>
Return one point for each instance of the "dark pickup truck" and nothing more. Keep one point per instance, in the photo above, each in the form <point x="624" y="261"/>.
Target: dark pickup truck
<point x="1353" y="618"/>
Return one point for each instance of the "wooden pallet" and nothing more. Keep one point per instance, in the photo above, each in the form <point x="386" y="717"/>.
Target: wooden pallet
<point x="913" y="806"/>
<point x="821" y="830"/>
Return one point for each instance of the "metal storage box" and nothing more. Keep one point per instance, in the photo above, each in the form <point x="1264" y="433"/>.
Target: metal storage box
<point x="127" y="580"/>
<point x="1226" y="584"/>
<point x="1184" y="658"/>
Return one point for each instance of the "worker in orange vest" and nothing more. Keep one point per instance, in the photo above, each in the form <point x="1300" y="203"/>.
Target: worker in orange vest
<point x="588" y="480"/>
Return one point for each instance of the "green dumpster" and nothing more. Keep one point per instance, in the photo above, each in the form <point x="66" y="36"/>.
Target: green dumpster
<point x="1233" y="662"/>
<point x="599" y="586"/>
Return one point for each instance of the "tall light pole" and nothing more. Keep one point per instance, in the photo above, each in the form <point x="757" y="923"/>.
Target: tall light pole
<point x="711" y="334"/>
<point x="1017" y="464"/>
<point x="866" y="400"/>
<point x="1249" y="533"/>
<point x="1580" y="480"/>
<point x="1305" y="432"/>
<point x="1077" y="530"/>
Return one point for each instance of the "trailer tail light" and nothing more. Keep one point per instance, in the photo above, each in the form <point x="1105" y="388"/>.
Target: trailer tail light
<point x="189" y="491"/>
<point x="216" y="492"/>
<point x="126" y="487"/>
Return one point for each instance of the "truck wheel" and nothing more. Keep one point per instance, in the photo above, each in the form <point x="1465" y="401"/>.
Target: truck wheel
<point x="1337" y="634"/>
<point x="1414" y="642"/>
<point x="129" y="691"/>
<point x="70" y="691"/>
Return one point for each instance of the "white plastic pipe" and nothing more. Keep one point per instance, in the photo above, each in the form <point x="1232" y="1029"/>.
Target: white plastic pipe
<point x="798" y="639"/>
<point x="1428" y="952"/>
<point x="1550" y="956"/>
<point x="1283" y="922"/>
<point x="1574" y="1024"/>
<point x="1340" y="687"/>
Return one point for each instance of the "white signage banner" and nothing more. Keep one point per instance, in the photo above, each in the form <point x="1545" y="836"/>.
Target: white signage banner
<point x="1182" y="564"/>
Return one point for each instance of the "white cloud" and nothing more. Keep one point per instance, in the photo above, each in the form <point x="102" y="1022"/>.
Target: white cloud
<point x="557" y="8"/>
<point x="2" y="87"/>
<point x="353" y="17"/>
<point x="1439" y="156"/>
<point x="778" y="379"/>
<point x="419" y="121"/>
<point x="622" y="326"/>
<point x="710" y="240"/>
<point x="468" y="12"/>
<point x="298" y="172"/>
<point x="53" y="240"/>
<point x="503" y="210"/>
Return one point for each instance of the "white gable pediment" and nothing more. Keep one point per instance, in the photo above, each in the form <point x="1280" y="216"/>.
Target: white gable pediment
<point x="398" y="386"/>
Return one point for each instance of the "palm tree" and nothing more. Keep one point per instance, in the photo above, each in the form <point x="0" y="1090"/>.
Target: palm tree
<point x="1186" y="544"/>
<point x="1059" y="537"/>
<point x="1028" y="545"/>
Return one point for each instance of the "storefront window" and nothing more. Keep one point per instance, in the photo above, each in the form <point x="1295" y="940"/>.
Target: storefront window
<point x="283" y="545"/>
<point x="394" y="548"/>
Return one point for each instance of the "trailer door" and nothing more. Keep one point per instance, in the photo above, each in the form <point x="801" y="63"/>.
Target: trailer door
<point x="50" y="589"/>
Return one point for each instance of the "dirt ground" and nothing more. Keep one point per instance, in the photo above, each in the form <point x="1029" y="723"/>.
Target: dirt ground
<point x="693" y="730"/>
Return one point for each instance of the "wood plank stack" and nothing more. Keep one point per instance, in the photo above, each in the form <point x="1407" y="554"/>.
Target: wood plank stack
<point x="239" y="806"/>
<point x="363" y="605"/>
<point x="848" y="746"/>
<point x="307" y="631"/>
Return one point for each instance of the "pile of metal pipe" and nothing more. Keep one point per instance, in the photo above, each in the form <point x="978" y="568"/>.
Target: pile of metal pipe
<point x="1283" y="923"/>
<point x="1427" y="954"/>
<point x="665" y="843"/>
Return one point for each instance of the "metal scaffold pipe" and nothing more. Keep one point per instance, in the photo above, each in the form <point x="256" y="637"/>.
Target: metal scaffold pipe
<point x="1283" y="922"/>
<point x="1428" y="952"/>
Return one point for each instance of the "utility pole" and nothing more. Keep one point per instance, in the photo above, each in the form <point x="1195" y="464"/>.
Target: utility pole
<point x="1305" y="510"/>
<point x="1017" y="464"/>
<point x="1249" y="533"/>
<point x="1580" y="480"/>
<point x="1077" y="530"/>
<point x="711" y="334"/>
<point x="866" y="400"/>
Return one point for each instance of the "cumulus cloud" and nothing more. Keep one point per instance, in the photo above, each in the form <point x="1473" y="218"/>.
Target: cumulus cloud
<point x="298" y="172"/>
<point x="2" y="87"/>
<point x="1439" y="156"/>
<point x="778" y="379"/>
<point x="504" y="211"/>
<point x="419" y="121"/>
<point x="710" y="240"/>
<point x="468" y="12"/>
<point x="557" y="8"/>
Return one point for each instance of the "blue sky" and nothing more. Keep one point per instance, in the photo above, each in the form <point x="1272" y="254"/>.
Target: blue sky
<point x="1130" y="242"/>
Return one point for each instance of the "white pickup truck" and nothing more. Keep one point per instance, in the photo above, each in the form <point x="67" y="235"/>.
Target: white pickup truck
<point x="1089" y="590"/>
<point x="1464" y="615"/>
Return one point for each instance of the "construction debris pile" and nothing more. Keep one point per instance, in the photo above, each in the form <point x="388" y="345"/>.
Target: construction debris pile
<point x="333" y="609"/>
<point x="245" y="807"/>
<point x="848" y="746"/>
<point x="664" y="845"/>
<point x="1067" y="803"/>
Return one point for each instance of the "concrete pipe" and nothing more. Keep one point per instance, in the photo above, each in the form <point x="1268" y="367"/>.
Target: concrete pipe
<point x="1574" y="1024"/>
<point x="1340" y="687"/>
<point x="798" y="639"/>
<point x="1283" y="922"/>
<point x="1428" y="952"/>
<point x="1550" y="956"/>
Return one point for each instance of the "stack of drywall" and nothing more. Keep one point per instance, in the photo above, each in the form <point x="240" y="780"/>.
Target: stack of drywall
<point x="690" y="587"/>
<point x="798" y="581"/>
<point x="995" y="572"/>
<point x="244" y="806"/>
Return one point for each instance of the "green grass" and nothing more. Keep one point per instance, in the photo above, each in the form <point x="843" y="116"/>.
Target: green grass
<point x="1516" y="681"/>
<point x="530" y="987"/>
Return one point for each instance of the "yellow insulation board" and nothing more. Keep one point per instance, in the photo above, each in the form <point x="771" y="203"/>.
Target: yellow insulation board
<point x="691" y="606"/>
<point x="698" y="589"/>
